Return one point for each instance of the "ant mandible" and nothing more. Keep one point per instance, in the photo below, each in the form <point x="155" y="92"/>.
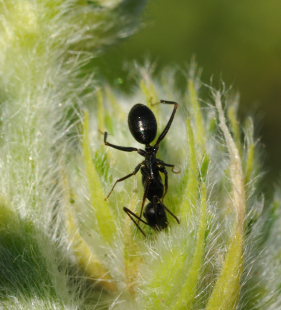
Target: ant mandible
<point x="143" y="126"/>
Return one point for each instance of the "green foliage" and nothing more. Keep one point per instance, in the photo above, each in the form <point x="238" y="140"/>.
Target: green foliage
<point x="62" y="245"/>
<point x="103" y="214"/>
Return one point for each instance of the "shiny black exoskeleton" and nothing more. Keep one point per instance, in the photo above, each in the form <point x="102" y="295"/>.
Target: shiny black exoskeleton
<point x="143" y="127"/>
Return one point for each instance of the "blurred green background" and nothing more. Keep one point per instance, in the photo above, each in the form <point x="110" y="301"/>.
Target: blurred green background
<point x="238" y="42"/>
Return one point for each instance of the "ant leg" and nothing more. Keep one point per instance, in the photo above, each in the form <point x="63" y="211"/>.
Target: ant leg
<point x="163" y="170"/>
<point x="124" y="178"/>
<point x="122" y="148"/>
<point x="166" y="129"/>
<point x="176" y="171"/>
<point x="131" y="215"/>
<point x="144" y="195"/>
<point x="169" y="211"/>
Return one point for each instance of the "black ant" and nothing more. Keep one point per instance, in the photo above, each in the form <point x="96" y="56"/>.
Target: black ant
<point x="143" y="126"/>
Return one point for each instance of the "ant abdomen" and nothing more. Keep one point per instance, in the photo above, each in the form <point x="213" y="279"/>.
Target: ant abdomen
<point x="142" y="123"/>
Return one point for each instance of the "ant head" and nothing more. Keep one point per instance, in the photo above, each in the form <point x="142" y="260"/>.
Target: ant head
<point x="142" y="124"/>
<point x="156" y="216"/>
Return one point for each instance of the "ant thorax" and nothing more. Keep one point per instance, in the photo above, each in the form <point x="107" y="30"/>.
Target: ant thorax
<point x="150" y="163"/>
